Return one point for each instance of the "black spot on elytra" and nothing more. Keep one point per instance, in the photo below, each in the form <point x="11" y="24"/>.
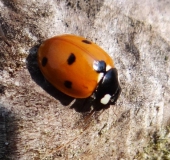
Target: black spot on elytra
<point x="68" y="84"/>
<point x="44" y="61"/>
<point x="71" y="59"/>
<point x="86" y="41"/>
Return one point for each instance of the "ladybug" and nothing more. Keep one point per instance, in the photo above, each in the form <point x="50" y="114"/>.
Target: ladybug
<point x="79" y="68"/>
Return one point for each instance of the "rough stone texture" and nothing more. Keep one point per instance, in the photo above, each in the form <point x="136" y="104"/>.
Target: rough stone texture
<point x="36" y="119"/>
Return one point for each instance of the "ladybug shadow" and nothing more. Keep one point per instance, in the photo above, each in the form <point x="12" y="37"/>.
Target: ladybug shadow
<point x="80" y="105"/>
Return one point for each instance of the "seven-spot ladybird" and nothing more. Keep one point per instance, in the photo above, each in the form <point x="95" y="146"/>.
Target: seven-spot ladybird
<point x="79" y="68"/>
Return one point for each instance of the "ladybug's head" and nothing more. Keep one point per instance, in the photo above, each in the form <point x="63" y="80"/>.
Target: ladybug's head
<point x="108" y="90"/>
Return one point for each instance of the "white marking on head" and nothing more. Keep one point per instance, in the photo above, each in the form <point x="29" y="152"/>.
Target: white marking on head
<point x="95" y="65"/>
<point x="100" y="76"/>
<point x="105" y="99"/>
<point x="108" y="67"/>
